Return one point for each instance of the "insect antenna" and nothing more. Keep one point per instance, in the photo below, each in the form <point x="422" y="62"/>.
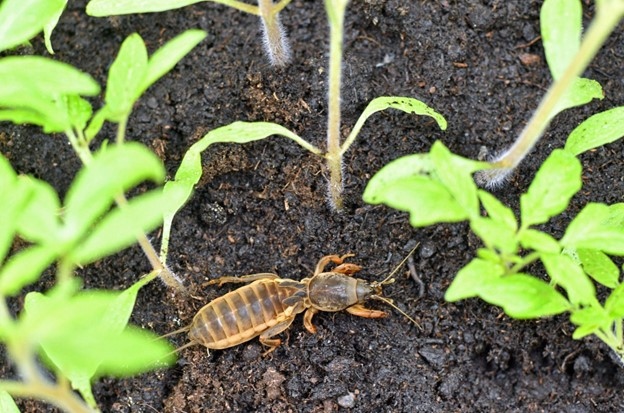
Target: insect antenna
<point x="391" y="304"/>
<point x="389" y="279"/>
<point x="178" y="331"/>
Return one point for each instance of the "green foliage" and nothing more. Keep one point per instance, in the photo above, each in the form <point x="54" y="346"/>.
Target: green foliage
<point x="100" y="8"/>
<point x="561" y="28"/>
<point x="20" y="20"/>
<point x="429" y="187"/>
<point x="597" y="130"/>
<point x="179" y="190"/>
<point x="82" y="334"/>
<point x="132" y="73"/>
<point x="39" y="91"/>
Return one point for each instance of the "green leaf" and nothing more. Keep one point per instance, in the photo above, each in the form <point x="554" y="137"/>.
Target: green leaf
<point x="413" y="183"/>
<point x="113" y="171"/>
<point x="560" y="22"/>
<point x="50" y="25"/>
<point x="495" y="235"/>
<point x="600" y="267"/>
<point x="561" y="29"/>
<point x="523" y="296"/>
<point x="405" y="104"/>
<point x="7" y="404"/>
<point x="596" y="227"/>
<point x="79" y="111"/>
<point x="598" y="130"/>
<point x="538" y="241"/>
<point x="589" y="319"/>
<point x="580" y="92"/>
<point x="12" y="198"/>
<point x="126" y="77"/>
<point x="35" y="90"/>
<point x="96" y="123"/>
<point x="101" y="8"/>
<point x="614" y="304"/>
<point x="406" y="167"/>
<point x="43" y="76"/>
<point x="470" y="279"/>
<point x="20" y="20"/>
<point x="120" y="227"/>
<point x="165" y="58"/>
<point x="177" y="192"/>
<point x="80" y="337"/>
<point x="135" y="351"/>
<point x="39" y="218"/>
<point x="24" y="268"/>
<point x="497" y="211"/>
<point x="455" y="173"/>
<point x="544" y="200"/>
<point x="427" y="200"/>
<point x="566" y="273"/>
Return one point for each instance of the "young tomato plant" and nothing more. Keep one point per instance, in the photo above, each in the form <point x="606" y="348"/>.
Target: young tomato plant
<point x="568" y="56"/>
<point x="47" y="93"/>
<point x="273" y="34"/>
<point x="80" y="335"/>
<point x="180" y="189"/>
<point x="438" y="187"/>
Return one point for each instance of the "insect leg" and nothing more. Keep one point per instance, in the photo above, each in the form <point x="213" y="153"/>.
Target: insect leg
<point x="241" y="279"/>
<point x="273" y="343"/>
<point x="336" y="259"/>
<point x="361" y="311"/>
<point x="307" y="320"/>
<point x="347" y="269"/>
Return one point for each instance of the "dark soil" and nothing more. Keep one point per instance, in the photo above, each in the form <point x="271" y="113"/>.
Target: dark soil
<point x="262" y="207"/>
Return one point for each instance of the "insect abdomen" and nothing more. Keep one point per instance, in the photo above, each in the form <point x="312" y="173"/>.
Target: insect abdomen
<point x="238" y="316"/>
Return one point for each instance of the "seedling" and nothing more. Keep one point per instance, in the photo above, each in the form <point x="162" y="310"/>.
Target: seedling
<point x="180" y="189"/>
<point x="567" y="58"/>
<point x="47" y="93"/>
<point x="80" y="335"/>
<point x="438" y="187"/>
<point x="273" y="34"/>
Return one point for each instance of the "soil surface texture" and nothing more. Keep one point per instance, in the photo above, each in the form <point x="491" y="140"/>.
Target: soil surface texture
<point x="261" y="207"/>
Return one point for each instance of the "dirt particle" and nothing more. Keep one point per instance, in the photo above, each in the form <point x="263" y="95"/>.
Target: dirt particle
<point x="347" y="401"/>
<point x="273" y="380"/>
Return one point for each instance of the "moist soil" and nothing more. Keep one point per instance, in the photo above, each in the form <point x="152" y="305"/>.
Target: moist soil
<point x="261" y="207"/>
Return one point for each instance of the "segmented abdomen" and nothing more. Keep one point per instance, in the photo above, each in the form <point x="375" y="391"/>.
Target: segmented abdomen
<point x="239" y="315"/>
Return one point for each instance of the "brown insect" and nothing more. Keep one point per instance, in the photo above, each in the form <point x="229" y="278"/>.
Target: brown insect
<point x="268" y="305"/>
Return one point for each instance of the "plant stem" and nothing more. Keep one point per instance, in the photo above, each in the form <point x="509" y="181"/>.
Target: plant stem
<point x="81" y="147"/>
<point x="335" y="11"/>
<point x="601" y="27"/>
<point x="121" y="130"/>
<point x="274" y="36"/>
<point x="59" y="396"/>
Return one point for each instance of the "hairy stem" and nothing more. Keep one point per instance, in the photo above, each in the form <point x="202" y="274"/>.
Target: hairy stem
<point x="273" y="33"/>
<point x="601" y="27"/>
<point x="336" y="11"/>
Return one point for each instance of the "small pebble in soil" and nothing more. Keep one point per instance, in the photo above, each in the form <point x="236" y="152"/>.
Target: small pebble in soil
<point x="581" y="365"/>
<point x="347" y="401"/>
<point x="434" y="356"/>
<point x="427" y="249"/>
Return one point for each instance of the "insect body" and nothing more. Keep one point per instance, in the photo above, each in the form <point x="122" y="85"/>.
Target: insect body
<point x="268" y="305"/>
